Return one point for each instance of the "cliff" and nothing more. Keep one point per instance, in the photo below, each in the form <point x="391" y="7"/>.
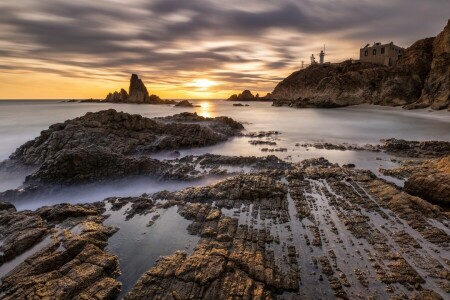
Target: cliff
<point x="421" y="78"/>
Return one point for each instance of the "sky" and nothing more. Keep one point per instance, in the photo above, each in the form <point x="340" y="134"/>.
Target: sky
<point x="209" y="49"/>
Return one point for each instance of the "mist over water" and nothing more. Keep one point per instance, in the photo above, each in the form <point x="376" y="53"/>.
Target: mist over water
<point x="21" y="121"/>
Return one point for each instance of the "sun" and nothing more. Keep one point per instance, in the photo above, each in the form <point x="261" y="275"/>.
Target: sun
<point x="203" y="84"/>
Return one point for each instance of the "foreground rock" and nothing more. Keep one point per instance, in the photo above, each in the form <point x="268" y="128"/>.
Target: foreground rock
<point x="306" y="230"/>
<point x="126" y="134"/>
<point x="230" y="260"/>
<point x="138" y="94"/>
<point x="314" y="230"/>
<point x="70" y="262"/>
<point x="431" y="181"/>
<point x="419" y="79"/>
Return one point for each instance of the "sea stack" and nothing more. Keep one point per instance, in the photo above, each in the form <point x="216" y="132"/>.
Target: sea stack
<point x="138" y="92"/>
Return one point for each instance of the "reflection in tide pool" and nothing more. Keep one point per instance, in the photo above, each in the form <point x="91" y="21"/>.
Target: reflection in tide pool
<point x="138" y="246"/>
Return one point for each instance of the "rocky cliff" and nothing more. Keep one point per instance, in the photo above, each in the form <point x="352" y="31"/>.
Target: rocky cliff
<point x="421" y="78"/>
<point x="137" y="93"/>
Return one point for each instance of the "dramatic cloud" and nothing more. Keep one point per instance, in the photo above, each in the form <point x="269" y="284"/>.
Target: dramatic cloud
<point x="171" y="43"/>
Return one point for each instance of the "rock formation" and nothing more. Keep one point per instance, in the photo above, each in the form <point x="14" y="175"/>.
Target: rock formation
<point x="420" y="78"/>
<point x="431" y="181"/>
<point x="137" y="94"/>
<point x="123" y="133"/>
<point x="436" y="91"/>
<point x="71" y="262"/>
<point x="184" y="103"/>
<point x="121" y="96"/>
<point x="246" y="95"/>
<point x="108" y="144"/>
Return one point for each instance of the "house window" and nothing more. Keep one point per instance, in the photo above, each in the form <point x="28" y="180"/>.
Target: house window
<point x="366" y="53"/>
<point x="382" y="50"/>
<point x="374" y="52"/>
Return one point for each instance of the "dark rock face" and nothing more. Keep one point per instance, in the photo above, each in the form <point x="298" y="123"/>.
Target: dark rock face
<point x="121" y="96"/>
<point x="108" y="144"/>
<point x="417" y="149"/>
<point x="138" y="92"/>
<point x="122" y="133"/>
<point x="19" y="231"/>
<point x="436" y="91"/>
<point x="93" y="164"/>
<point x="72" y="265"/>
<point x="420" y="76"/>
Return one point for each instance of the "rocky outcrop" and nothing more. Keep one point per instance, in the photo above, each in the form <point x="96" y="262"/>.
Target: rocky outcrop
<point x="138" y="91"/>
<point x="416" y="149"/>
<point x="121" y="96"/>
<point x="246" y="95"/>
<point x="108" y="145"/>
<point x="431" y="181"/>
<point x="421" y="76"/>
<point x="184" y="103"/>
<point x="122" y="133"/>
<point x="137" y="94"/>
<point x="436" y="91"/>
<point x="71" y="263"/>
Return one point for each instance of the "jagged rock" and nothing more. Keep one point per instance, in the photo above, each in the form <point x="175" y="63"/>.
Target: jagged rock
<point x="93" y="164"/>
<point x="19" y="232"/>
<point x="422" y="72"/>
<point x="431" y="181"/>
<point x="72" y="265"/>
<point x="138" y="92"/>
<point x="122" y="133"/>
<point x="417" y="149"/>
<point x="121" y="96"/>
<point x="436" y="91"/>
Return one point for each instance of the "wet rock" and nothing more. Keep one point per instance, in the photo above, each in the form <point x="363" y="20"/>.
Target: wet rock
<point x="7" y="206"/>
<point x="123" y="133"/>
<point x="72" y="266"/>
<point x="19" y="232"/>
<point x="431" y="181"/>
<point x="417" y="149"/>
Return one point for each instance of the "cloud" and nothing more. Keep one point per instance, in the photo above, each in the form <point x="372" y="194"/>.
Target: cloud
<point x="172" y="40"/>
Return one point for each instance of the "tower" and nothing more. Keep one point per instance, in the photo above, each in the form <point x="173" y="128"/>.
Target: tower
<point x="322" y="55"/>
